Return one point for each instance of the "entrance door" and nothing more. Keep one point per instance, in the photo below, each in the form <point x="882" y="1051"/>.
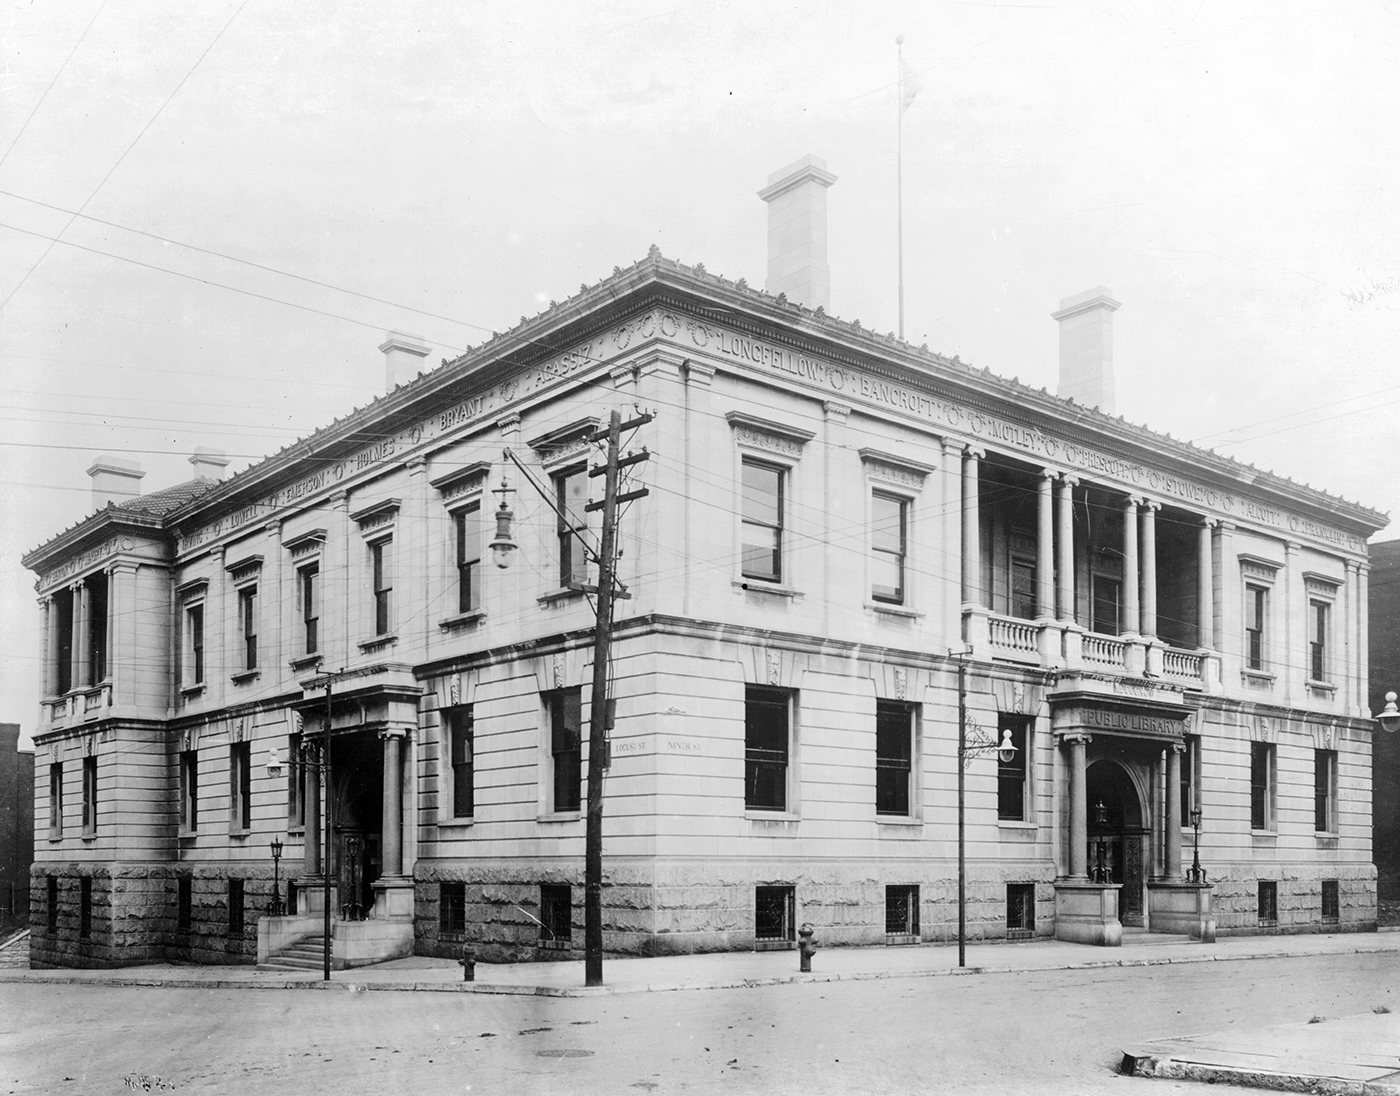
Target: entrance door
<point x="1116" y="837"/>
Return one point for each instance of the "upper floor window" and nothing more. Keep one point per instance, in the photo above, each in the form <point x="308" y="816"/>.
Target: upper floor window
<point x="56" y="799"/>
<point x="194" y="644"/>
<point x="1319" y="618"/>
<point x="248" y="624"/>
<point x="240" y="814"/>
<point x="1107" y="607"/>
<point x="1262" y="784"/>
<point x="762" y="517"/>
<point x="309" y="596"/>
<point x="382" y="579"/>
<point x="1256" y="607"/>
<point x="467" y="526"/>
<point x="888" y="544"/>
<point x="570" y="498"/>
<point x="1325" y="791"/>
<point x="189" y="791"/>
<point x="565" y="748"/>
<point x="1023" y="592"/>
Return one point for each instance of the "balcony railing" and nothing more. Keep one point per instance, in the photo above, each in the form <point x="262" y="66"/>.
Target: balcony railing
<point x="1183" y="665"/>
<point x="1013" y="636"/>
<point x="1106" y="651"/>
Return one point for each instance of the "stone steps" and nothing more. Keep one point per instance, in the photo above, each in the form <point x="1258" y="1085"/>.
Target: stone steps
<point x="307" y="954"/>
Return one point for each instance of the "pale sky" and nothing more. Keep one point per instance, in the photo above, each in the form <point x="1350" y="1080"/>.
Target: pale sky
<point x="1228" y="170"/>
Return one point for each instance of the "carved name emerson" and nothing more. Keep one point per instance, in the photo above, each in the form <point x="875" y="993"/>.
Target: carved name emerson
<point x="852" y="383"/>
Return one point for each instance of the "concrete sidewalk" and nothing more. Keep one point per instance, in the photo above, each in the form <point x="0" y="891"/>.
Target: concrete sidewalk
<point x="1349" y="1056"/>
<point x="725" y="970"/>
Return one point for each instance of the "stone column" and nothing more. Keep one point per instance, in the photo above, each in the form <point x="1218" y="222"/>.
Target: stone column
<point x="1045" y="548"/>
<point x="1066" y="549"/>
<point x="1350" y="653"/>
<point x="1205" y="585"/>
<point x="392" y="825"/>
<point x="1363" y="623"/>
<point x="311" y="796"/>
<point x="80" y="662"/>
<point x="1130" y="622"/>
<point x="1229" y="596"/>
<point x="1158" y="809"/>
<point x="108" y="673"/>
<point x="1078" y="807"/>
<point x="1172" y="871"/>
<point x="1148" y="549"/>
<point x="971" y="531"/>
<point x="50" y="646"/>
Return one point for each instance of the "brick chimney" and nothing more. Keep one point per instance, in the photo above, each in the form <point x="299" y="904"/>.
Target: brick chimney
<point x="403" y="358"/>
<point x="1086" y="347"/>
<point x="796" y="197"/>
<point x="114" y="480"/>
<point x="209" y="463"/>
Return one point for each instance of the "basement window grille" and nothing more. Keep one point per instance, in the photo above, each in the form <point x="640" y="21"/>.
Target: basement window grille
<point x="1020" y="911"/>
<point x="902" y="911"/>
<point x="1331" y="901"/>
<point x="774" y="915"/>
<point x="556" y="914"/>
<point x="452" y="911"/>
<point x="85" y="908"/>
<point x="184" y="903"/>
<point x="1268" y="902"/>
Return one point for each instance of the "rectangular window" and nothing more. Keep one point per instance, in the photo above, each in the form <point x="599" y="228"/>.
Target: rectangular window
<point x="296" y="799"/>
<point x="1255" y="617"/>
<point x="235" y="907"/>
<point x="240" y="815"/>
<point x="184" y="903"/>
<point x="767" y="725"/>
<point x="556" y="913"/>
<point x="308" y="583"/>
<point x="468" y="528"/>
<point x="570" y="498"/>
<point x="902" y="911"/>
<point x="452" y="911"/>
<point x="1318" y="612"/>
<point x="888" y="545"/>
<point x="248" y="625"/>
<point x="1331" y="901"/>
<point x="89" y="796"/>
<point x="1023" y="594"/>
<point x="775" y="910"/>
<point x="194" y="630"/>
<point x="63" y="612"/>
<point x="1268" y="902"/>
<point x="762" y="516"/>
<point x="383" y="580"/>
<point x="894" y="757"/>
<point x="1108" y="599"/>
<point x="1261" y="786"/>
<point x="189" y="791"/>
<point x="56" y="799"/>
<point x="566" y="747"/>
<point x="1020" y="911"/>
<point x="97" y="627"/>
<point x="85" y="907"/>
<point x="1190" y="777"/>
<point x="51" y="898"/>
<point x="461" y="760"/>
<point x="1011" y="775"/>
<point x="1325" y="791"/>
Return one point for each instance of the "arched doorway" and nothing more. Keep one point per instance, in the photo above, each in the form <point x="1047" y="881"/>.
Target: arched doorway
<point x="1117" y="836"/>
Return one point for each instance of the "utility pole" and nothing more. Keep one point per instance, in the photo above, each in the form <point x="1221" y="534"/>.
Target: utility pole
<point x="599" y="721"/>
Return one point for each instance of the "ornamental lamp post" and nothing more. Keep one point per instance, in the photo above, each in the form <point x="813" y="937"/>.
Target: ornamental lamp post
<point x="275" y="908"/>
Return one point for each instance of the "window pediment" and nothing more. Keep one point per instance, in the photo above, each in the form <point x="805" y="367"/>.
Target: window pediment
<point x="566" y="441"/>
<point x="897" y="470"/>
<point x="306" y="544"/>
<point x="377" y="516"/>
<point x="774" y="437"/>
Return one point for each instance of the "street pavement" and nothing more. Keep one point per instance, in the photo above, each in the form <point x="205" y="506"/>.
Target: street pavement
<point x="1347" y="1054"/>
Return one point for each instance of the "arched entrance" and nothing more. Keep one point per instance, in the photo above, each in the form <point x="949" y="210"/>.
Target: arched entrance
<point x="1118" y="836"/>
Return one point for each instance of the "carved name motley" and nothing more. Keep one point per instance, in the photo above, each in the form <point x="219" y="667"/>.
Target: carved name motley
<point x="849" y="382"/>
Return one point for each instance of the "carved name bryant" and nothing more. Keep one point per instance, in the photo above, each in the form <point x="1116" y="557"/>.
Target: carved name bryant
<point x="817" y="373"/>
<point x="470" y="410"/>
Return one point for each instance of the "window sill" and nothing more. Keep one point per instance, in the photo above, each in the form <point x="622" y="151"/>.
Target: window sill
<point x="889" y="609"/>
<point x="187" y="835"/>
<point x="1264" y="835"/>
<point x="898" y="820"/>
<point x="1330" y="837"/>
<point x="1321" y="686"/>
<point x="455" y="823"/>
<point x="770" y="816"/>
<point x="244" y="675"/>
<point x="1016" y="824"/>
<point x="55" y="838"/>
<point x="305" y="661"/>
<point x="560" y="816"/>
<point x="240" y="833"/>
<point x="452" y="937"/>
<point x="296" y="831"/>
<point x="188" y="691"/>
<point x="775" y="945"/>
<point x="462" y="620"/>
<point x="554" y="945"/>
<point x="378" y="643"/>
<point x="898" y="939"/>
<point x="1260" y="679"/>
<point x="564" y="593"/>
<point x="759" y="586"/>
<point x="89" y="838"/>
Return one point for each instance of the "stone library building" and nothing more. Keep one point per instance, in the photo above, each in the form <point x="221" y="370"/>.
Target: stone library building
<point x="863" y="576"/>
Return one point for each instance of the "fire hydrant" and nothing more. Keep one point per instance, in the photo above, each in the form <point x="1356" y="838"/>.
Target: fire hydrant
<point x="806" y="947"/>
<point x="468" y="964"/>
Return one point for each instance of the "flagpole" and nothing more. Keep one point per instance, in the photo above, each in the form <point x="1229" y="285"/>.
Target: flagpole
<point x="899" y="171"/>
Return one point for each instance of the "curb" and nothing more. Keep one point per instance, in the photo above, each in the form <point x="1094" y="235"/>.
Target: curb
<point x="1172" y="1069"/>
<point x="507" y="989"/>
